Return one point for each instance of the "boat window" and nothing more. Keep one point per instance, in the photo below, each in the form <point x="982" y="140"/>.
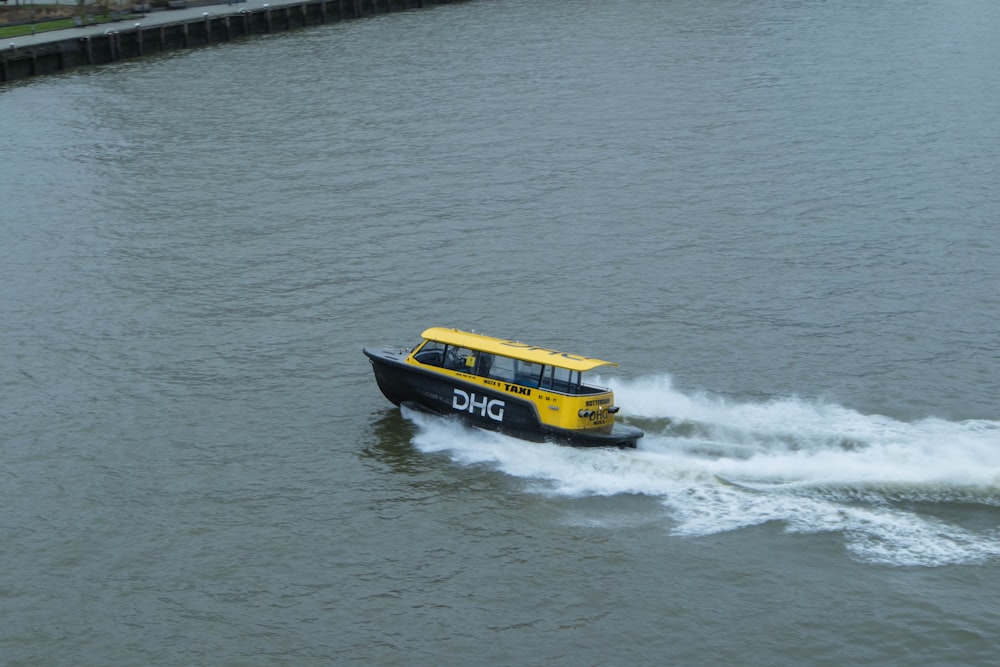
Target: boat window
<point x="557" y="379"/>
<point x="528" y="373"/>
<point x="502" y="369"/>
<point x="515" y="371"/>
<point x="460" y="359"/>
<point x="432" y="353"/>
<point x="485" y="364"/>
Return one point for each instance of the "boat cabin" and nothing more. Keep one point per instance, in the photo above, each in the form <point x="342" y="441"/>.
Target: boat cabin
<point x="552" y="380"/>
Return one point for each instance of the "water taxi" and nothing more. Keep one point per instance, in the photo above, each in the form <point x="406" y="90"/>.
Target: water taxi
<point x="530" y="392"/>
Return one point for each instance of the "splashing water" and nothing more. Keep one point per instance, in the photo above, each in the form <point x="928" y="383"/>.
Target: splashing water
<point x="897" y="491"/>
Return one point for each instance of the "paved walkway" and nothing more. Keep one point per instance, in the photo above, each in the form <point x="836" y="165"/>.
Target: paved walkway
<point x="159" y="17"/>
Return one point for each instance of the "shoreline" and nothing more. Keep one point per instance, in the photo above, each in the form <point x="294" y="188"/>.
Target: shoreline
<point x="197" y="23"/>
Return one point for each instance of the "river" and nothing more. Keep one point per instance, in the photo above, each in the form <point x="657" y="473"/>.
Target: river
<point x="778" y="216"/>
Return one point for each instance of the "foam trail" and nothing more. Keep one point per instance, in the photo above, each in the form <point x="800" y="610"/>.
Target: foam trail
<point x="719" y="465"/>
<point x="794" y="441"/>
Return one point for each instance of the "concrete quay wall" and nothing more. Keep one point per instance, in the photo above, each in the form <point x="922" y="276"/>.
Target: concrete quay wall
<point x="166" y="31"/>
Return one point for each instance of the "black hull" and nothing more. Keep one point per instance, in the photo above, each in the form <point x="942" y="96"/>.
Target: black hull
<point x="480" y="406"/>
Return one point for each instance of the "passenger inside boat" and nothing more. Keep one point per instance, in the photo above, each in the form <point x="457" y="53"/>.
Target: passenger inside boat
<point x="460" y="359"/>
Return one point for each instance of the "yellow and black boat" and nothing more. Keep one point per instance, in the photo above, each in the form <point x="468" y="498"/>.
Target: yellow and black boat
<point x="530" y="392"/>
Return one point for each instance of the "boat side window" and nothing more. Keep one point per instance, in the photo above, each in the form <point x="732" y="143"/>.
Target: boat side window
<point x="556" y="379"/>
<point x="502" y="368"/>
<point x="432" y="353"/>
<point x="527" y="373"/>
<point x="515" y="371"/>
<point x="485" y="364"/>
<point x="460" y="359"/>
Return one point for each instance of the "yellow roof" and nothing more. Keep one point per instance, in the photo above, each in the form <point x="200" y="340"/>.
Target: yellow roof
<point x="511" y="348"/>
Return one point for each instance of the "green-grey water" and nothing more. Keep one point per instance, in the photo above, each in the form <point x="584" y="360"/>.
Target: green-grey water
<point x="777" y="216"/>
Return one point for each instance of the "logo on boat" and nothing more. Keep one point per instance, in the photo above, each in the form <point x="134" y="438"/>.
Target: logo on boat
<point x="471" y="403"/>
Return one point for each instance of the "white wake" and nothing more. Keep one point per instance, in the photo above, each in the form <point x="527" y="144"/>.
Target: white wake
<point x="896" y="491"/>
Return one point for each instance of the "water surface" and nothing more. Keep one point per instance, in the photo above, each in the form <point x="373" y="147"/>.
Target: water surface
<point x="777" y="216"/>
